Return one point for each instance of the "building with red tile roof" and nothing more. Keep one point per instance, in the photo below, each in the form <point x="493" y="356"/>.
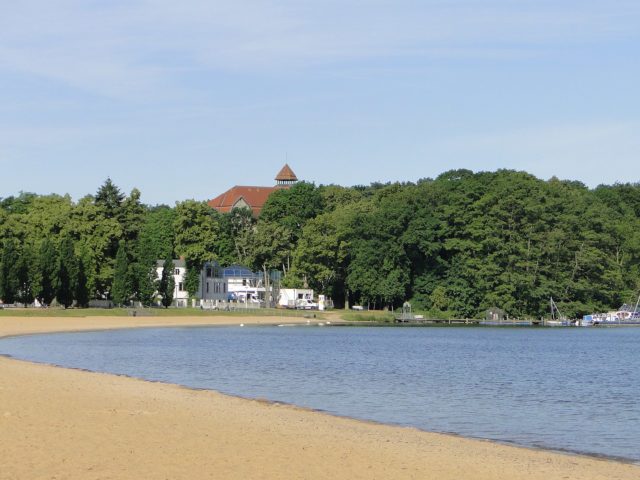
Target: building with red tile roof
<point x="252" y="197"/>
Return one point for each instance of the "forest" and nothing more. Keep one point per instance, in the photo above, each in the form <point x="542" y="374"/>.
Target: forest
<point x="453" y="246"/>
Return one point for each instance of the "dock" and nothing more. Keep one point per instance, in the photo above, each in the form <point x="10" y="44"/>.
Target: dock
<point x="406" y="316"/>
<point x="419" y="320"/>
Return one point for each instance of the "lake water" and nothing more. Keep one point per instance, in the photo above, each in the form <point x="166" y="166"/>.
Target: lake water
<point x="568" y="389"/>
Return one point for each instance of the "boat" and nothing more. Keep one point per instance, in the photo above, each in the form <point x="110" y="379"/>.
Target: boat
<point x="625" y="315"/>
<point x="557" y="319"/>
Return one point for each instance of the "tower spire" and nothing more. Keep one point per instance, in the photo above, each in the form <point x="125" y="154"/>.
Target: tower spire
<point x="286" y="176"/>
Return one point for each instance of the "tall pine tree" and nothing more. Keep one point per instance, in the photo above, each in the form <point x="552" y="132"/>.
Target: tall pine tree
<point x="67" y="273"/>
<point x="81" y="291"/>
<point x="120" y="291"/>
<point x="8" y="275"/>
<point x="109" y="198"/>
<point x="48" y="267"/>
<point x="143" y="278"/>
<point x="25" y="292"/>
<point x="167" y="284"/>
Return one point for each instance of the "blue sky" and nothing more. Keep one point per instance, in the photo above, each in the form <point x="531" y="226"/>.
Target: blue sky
<point x="186" y="99"/>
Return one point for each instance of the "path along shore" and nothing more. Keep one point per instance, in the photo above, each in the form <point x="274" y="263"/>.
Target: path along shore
<point x="58" y="423"/>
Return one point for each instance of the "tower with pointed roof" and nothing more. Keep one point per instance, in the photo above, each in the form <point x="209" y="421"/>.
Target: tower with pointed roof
<point x="286" y="176"/>
<point x="250" y="196"/>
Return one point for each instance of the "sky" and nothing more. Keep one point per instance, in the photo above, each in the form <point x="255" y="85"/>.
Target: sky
<point x="184" y="99"/>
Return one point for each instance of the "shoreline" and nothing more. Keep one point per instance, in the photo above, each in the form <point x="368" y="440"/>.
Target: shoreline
<point x="320" y="411"/>
<point x="414" y="442"/>
<point x="575" y="453"/>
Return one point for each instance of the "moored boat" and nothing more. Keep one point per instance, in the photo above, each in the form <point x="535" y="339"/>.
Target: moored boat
<point x="625" y="315"/>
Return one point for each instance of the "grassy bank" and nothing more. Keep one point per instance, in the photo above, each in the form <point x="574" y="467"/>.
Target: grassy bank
<point x="345" y="315"/>
<point x="151" y="312"/>
<point x="367" y="316"/>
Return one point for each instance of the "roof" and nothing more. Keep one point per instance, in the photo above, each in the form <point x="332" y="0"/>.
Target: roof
<point x="177" y="263"/>
<point x="239" y="196"/>
<point x="239" y="271"/>
<point x="286" y="175"/>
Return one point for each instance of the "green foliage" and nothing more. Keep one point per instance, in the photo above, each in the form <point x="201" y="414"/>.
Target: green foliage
<point x="9" y="280"/>
<point x="225" y="244"/>
<point x="97" y="238"/>
<point x="454" y="246"/>
<point x="273" y="246"/>
<point x="24" y="275"/>
<point x="197" y="228"/>
<point x="242" y="227"/>
<point x="192" y="277"/>
<point x="132" y="215"/>
<point x="293" y="207"/>
<point x="106" y="219"/>
<point x="48" y="272"/>
<point x="17" y="205"/>
<point x="121" y="290"/>
<point x="157" y="235"/>
<point x="143" y="277"/>
<point x="334" y="197"/>
<point x="370" y="316"/>
<point x="155" y="241"/>
<point x="167" y="284"/>
<point x="81" y="292"/>
<point x="67" y="273"/>
<point x="323" y="253"/>
<point x="109" y="199"/>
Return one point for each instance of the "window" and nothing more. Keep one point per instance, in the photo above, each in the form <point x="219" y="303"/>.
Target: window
<point x="207" y="287"/>
<point x="209" y="272"/>
<point x="180" y="287"/>
<point x="177" y="272"/>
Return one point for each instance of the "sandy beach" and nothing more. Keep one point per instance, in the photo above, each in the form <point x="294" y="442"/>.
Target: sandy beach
<point x="58" y="423"/>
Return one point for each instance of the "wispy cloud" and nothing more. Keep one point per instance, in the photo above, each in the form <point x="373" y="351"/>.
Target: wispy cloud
<point x="111" y="85"/>
<point x="130" y="48"/>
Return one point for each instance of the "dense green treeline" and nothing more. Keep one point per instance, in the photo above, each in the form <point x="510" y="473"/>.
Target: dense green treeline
<point x="455" y="245"/>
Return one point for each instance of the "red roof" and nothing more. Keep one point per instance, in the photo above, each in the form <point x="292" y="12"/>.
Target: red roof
<point x="286" y="175"/>
<point x="254" y="197"/>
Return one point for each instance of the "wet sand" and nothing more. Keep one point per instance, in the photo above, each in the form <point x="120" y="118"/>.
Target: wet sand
<point x="59" y="423"/>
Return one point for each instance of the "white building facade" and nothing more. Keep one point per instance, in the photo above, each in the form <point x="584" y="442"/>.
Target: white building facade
<point x="180" y="295"/>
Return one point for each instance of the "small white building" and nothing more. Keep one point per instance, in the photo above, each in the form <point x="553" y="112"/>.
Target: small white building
<point x="244" y="285"/>
<point x="180" y="295"/>
<point x="291" y="297"/>
<point x="217" y="285"/>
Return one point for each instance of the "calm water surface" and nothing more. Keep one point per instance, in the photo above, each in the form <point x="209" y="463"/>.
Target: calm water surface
<point x="568" y="389"/>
